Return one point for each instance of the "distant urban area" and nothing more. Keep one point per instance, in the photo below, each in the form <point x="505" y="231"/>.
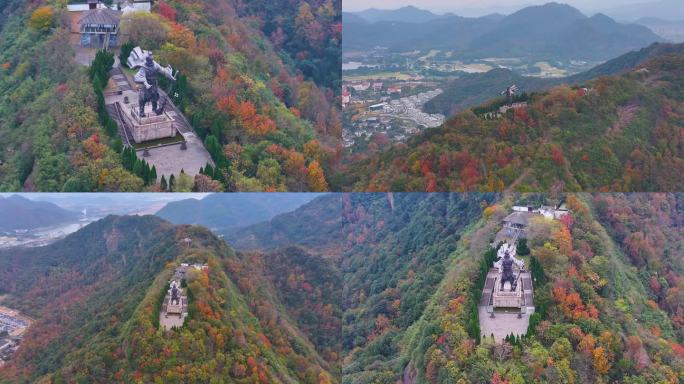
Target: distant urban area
<point x="384" y="92"/>
<point x="12" y="327"/>
<point x="37" y="237"/>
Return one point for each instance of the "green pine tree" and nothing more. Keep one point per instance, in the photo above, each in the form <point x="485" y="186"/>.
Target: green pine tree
<point x="138" y="169"/>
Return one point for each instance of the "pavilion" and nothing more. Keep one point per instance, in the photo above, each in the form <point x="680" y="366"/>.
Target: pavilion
<point x="99" y="28"/>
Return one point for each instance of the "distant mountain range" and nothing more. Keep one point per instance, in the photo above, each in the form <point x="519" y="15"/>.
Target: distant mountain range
<point x="222" y="212"/>
<point x="663" y="9"/>
<point x="293" y="228"/>
<point x="409" y="14"/>
<point x="473" y="89"/>
<point x="545" y="32"/>
<point x="668" y="29"/>
<point x="17" y="212"/>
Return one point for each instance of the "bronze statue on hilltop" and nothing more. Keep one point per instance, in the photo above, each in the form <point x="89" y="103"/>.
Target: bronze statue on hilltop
<point x="147" y="78"/>
<point x="175" y="294"/>
<point x="507" y="274"/>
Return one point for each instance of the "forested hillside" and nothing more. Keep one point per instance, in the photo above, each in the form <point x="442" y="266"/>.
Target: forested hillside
<point x="607" y="289"/>
<point x="619" y="133"/>
<point x="598" y="319"/>
<point x="471" y="90"/>
<point x="247" y="95"/>
<point x="50" y="137"/>
<point x="390" y="297"/>
<point x="96" y="297"/>
<point x="258" y="86"/>
<point x="294" y="228"/>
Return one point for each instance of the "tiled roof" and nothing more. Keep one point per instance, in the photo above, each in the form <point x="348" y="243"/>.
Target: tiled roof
<point x="521" y="218"/>
<point x="101" y="16"/>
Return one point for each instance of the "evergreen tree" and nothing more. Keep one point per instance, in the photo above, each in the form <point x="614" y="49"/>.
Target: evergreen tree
<point x="153" y="174"/>
<point x="522" y="248"/>
<point x="133" y="158"/>
<point x="126" y="49"/>
<point x="209" y="170"/>
<point x="138" y="169"/>
<point x="172" y="182"/>
<point x="162" y="183"/>
<point x="146" y="172"/>
<point x="126" y="159"/>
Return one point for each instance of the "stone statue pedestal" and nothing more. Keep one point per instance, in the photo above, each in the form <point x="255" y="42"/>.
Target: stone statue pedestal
<point x="150" y="127"/>
<point x="505" y="298"/>
<point x="174" y="309"/>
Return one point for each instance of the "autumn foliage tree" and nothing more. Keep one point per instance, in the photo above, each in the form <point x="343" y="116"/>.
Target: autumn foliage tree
<point x="41" y="18"/>
<point x="316" y="178"/>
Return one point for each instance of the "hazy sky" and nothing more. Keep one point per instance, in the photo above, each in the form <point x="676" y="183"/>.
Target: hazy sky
<point x="479" y="7"/>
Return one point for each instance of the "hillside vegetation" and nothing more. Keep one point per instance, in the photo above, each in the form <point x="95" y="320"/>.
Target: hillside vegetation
<point x="471" y="90"/>
<point x="621" y="133"/>
<point x="389" y="296"/>
<point x="607" y="289"/>
<point x="96" y="297"/>
<point x="50" y="137"/>
<point x="259" y="88"/>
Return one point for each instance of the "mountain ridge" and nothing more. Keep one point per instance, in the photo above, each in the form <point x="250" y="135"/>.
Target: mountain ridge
<point x="95" y="296"/>
<point x="615" y="133"/>
<point x="22" y="213"/>
<point x="539" y="32"/>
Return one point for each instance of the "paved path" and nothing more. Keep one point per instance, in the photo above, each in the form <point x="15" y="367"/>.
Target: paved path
<point x="502" y="324"/>
<point x="120" y="79"/>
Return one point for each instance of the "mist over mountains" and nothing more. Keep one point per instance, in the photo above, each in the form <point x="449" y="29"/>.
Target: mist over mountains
<point x="550" y="31"/>
<point x="235" y="210"/>
<point x="21" y="213"/>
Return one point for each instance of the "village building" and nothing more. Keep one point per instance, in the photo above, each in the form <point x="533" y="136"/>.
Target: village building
<point x="377" y="107"/>
<point x="515" y="224"/>
<point x="504" y="108"/>
<point x="393" y="89"/>
<point x="118" y="5"/>
<point x="99" y="28"/>
<point x="346" y="97"/>
<point x="362" y="86"/>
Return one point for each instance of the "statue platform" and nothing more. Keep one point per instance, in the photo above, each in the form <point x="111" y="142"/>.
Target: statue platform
<point x="172" y="315"/>
<point x="505" y="298"/>
<point x="502" y="313"/>
<point x="150" y="127"/>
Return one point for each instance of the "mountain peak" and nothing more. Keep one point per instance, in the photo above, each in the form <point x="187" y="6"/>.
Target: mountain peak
<point x="407" y="14"/>
<point x="602" y="17"/>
